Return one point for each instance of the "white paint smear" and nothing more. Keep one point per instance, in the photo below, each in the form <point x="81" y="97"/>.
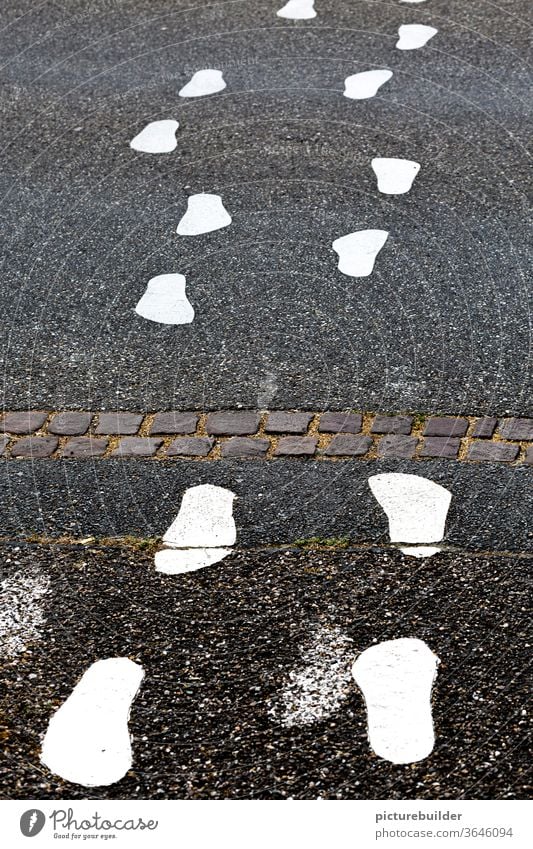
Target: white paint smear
<point x="204" y="213"/>
<point x="207" y="81"/>
<point x="21" y="614"/>
<point x="157" y="137"/>
<point x="358" y="251"/>
<point x="298" y="10"/>
<point x="412" y="1"/>
<point x="319" y="686"/>
<point x="165" y="300"/>
<point x="366" y="84"/>
<point x="396" y="678"/>
<point x="395" y="176"/>
<point x="88" y="741"/>
<point x="416" y="509"/>
<point x="413" y="36"/>
<point x="175" y="561"/>
<point x="205" y="519"/>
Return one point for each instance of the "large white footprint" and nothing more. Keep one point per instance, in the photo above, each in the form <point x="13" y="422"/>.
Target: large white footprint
<point x="204" y="213"/>
<point x="416" y="509"/>
<point x="413" y="36"/>
<point x="358" y="251"/>
<point x="365" y="84"/>
<point x="298" y="10"/>
<point x="396" y="678"/>
<point x="88" y="741"/>
<point x="157" y="137"/>
<point x="165" y="300"/>
<point x="207" y="81"/>
<point x="395" y="176"/>
<point x="199" y="534"/>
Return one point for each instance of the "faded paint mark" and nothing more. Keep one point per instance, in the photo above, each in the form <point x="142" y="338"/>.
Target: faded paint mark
<point x="365" y="84"/>
<point x="396" y="678"/>
<point x="322" y="682"/>
<point x="415" y="507"/>
<point x="165" y="301"/>
<point x="414" y="36"/>
<point x="395" y="176"/>
<point x="267" y="390"/>
<point x="21" y="614"/>
<point x="298" y="10"/>
<point x="88" y="741"/>
<point x="358" y="251"/>
<point x="207" y="81"/>
<point x="205" y="212"/>
<point x="157" y="137"/>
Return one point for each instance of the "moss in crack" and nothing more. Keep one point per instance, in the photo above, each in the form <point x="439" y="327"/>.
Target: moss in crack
<point x="322" y="542"/>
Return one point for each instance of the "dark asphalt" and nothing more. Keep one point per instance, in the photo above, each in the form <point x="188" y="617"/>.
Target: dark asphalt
<point x="218" y="645"/>
<point x="277" y="502"/>
<point x="444" y="323"/>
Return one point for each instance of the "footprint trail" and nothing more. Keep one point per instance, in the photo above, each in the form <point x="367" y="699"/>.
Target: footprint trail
<point x="205" y="213"/>
<point x="366" y="84"/>
<point x="395" y="176"/>
<point x="358" y="251"/>
<point x="206" y="81"/>
<point x="157" y="137"/>
<point x="165" y="301"/>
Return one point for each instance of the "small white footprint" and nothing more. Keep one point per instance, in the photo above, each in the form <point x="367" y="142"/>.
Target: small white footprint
<point x="88" y="741"/>
<point x="205" y="213"/>
<point x="157" y="137"/>
<point x="413" y="36"/>
<point x="199" y="534"/>
<point x="358" y="251"/>
<point x="298" y="10"/>
<point x="395" y="176"/>
<point x="207" y="81"/>
<point x="365" y="84"/>
<point x="416" y="509"/>
<point x="165" y="301"/>
<point x="396" y="678"/>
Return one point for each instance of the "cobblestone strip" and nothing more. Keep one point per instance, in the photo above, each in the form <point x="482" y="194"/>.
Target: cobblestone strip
<point x="249" y="434"/>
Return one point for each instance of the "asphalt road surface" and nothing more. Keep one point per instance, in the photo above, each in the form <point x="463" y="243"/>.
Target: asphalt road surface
<point x="443" y="323"/>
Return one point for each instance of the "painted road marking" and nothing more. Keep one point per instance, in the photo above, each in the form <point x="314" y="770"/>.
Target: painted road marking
<point x="396" y="678"/>
<point x="205" y="212"/>
<point x="201" y="532"/>
<point x="298" y="10"/>
<point x="157" y="137"/>
<point x="322" y="682"/>
<point x="365" y="84"/>
<point x="358" y="251"/>
<point x="416" y="509"/>
<point x="395" y="176"/>
<point x="88" y="741"/>
<point x="206" y="81"/>
<point x="165" y="300"/>
<point x="21" y="614"/>
<point x="414" y="36"/>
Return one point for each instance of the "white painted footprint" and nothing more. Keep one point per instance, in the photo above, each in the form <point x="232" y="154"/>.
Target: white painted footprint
<point x="298" y="10"/>
<point x="157" y="137"/>
<point x="165" y="300"/>
<point x="395" y="176"/>
<point x="318" y="687"/>
<point x="205" y="213"/>
<point x="413" y="36"/>
<point x="416" y="509"/>
<point x="21" y="614"/>
<point x="88" y="741"/>
<point x="358" y="251"/>
<point x="365" y="84"/>
<point x="396" y="678"/>
<point x="200" y="533"/>
<point x="207" y="81"/>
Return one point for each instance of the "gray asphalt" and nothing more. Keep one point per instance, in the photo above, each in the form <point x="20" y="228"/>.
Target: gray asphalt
<point x="443" y="324"/>
<point x="217" y="647"/>
<point x="277" y="502"/>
